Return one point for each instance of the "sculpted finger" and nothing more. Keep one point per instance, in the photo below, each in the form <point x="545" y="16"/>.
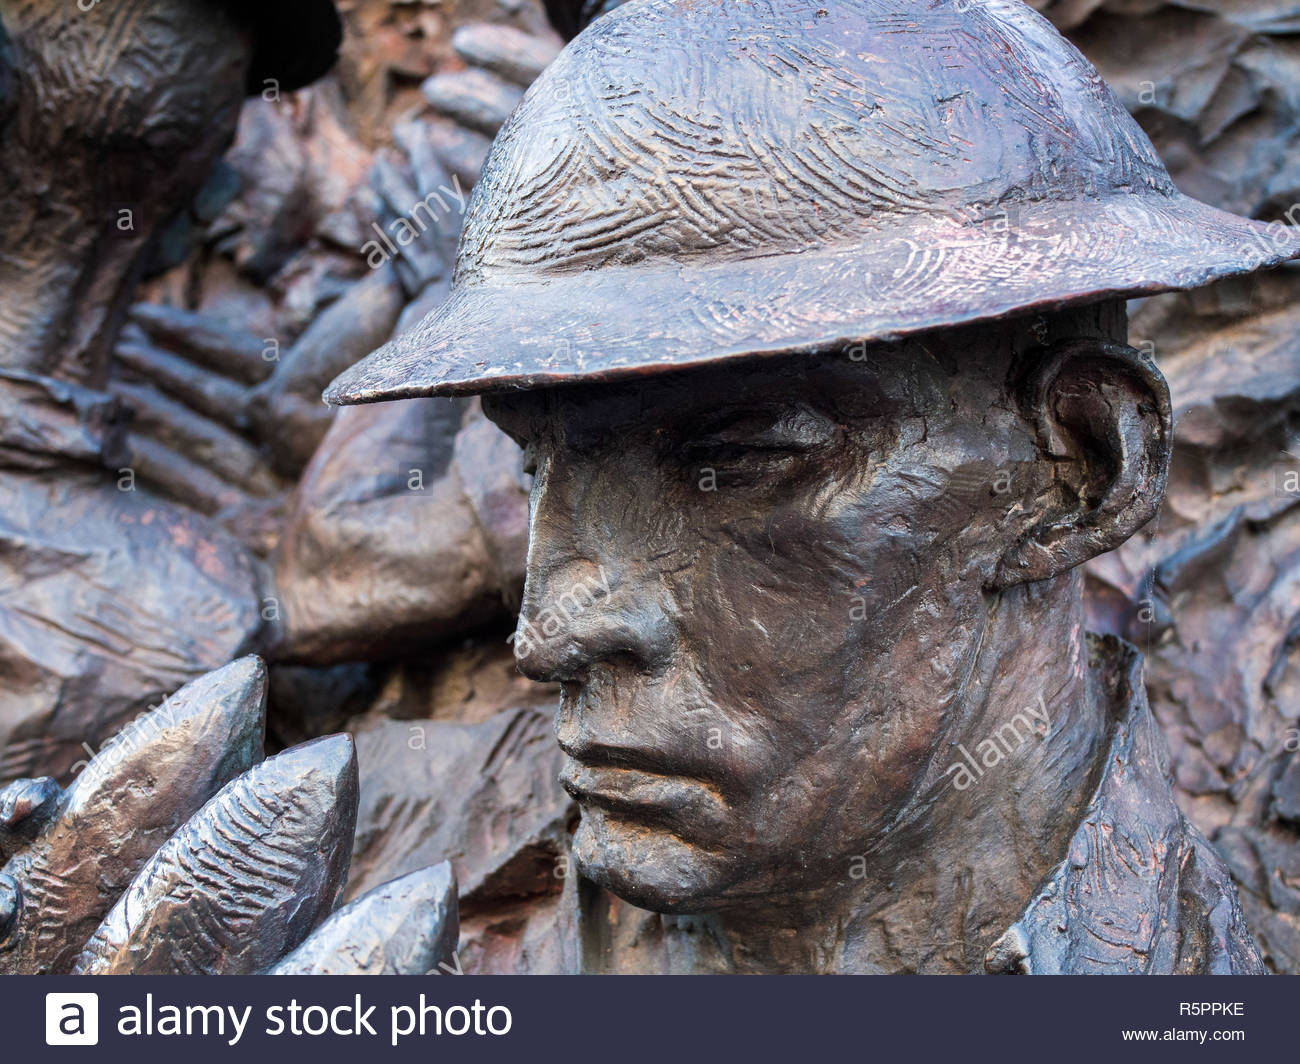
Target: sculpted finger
<point x="184" y="481"/>
<point x="407" y="216"/>
<point x="204" y="341"/>
<point x="462" y="151"/>
<point x="412" y="136"/>
<point x="213" y="396"/>
<point x="246" y="879"/>
<point x="472" y="98"/>
<point x="286" y="408"/>
<point x="26" y="806"/>
<point x="146" y="782"/>
<point x="409" y="926"/>
<point x="198" y="439"/>
<point x="515" y="55"/>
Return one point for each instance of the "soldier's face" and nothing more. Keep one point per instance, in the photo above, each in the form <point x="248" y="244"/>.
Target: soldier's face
<point x="759" y="587"/>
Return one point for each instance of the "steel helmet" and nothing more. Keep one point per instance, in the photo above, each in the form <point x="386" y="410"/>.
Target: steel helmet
<point x="696" y="180"/>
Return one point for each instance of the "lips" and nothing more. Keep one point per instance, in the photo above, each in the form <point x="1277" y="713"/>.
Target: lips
<point x="638" y="794"/>
<point x="672" y="782"/>
<point x="623" y="786"/>
<point x="587" y="751"/>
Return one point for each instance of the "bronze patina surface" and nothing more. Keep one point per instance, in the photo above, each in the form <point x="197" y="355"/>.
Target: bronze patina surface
<point x="809" y="321"/>
<point x="829" y="704"/>
<point x="693" y="181"/>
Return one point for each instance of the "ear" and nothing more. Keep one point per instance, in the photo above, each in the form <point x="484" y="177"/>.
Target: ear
<point x="1104" y="424"/>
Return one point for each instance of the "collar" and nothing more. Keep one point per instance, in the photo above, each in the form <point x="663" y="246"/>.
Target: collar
<point x="1140" y="890"/>
<point x="47" y="423"/>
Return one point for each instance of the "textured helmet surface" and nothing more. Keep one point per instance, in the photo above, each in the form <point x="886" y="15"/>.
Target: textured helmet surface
<point x="701" y="179"/>
<point x="723" y="141"/>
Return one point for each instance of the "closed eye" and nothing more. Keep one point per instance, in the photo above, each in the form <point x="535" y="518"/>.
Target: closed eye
<point x="760" y="433"/>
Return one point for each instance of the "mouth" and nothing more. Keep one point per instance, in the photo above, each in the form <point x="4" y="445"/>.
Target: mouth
<point x="670" y="785"/>
<point x="641" y="794"/>
<point x="631" y="787"/>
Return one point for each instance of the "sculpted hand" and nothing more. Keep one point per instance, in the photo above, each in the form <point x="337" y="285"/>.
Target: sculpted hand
<point x="178" y="850"/>
<point x="436" y="509"/>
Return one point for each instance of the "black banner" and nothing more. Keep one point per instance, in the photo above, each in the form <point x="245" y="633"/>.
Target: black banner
<point x="658" y="1018"/>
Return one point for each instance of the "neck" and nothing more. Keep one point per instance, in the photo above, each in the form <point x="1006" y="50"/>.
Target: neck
<point x="991" y="817"/>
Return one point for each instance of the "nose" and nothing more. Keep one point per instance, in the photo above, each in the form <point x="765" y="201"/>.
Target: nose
<point x="588" y="596"/>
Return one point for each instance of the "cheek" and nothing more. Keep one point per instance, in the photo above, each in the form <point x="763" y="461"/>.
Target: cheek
<point x="817" y="615"/>
<point x="863" y="783"/>
<point x="798" y="590"/>
<point x="768" y="591"/>
<point x="764" y="613"/>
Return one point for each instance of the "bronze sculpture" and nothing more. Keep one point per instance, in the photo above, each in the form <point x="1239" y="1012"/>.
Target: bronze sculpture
<point x="1211" y="596"/>
<point x="178" y="850"/>
<point x="1206" y="599"/>
<point x="173" y="823"/>
<point x="103" y="634"/>
<point x="111" y="118"/>
<point x="890" y="393"/>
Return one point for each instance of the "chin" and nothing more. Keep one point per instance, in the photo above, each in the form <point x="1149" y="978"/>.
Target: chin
<point x="650" y="867"/>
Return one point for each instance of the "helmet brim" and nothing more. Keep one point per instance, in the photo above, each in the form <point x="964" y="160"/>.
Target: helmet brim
<point x="621" y="321"/>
